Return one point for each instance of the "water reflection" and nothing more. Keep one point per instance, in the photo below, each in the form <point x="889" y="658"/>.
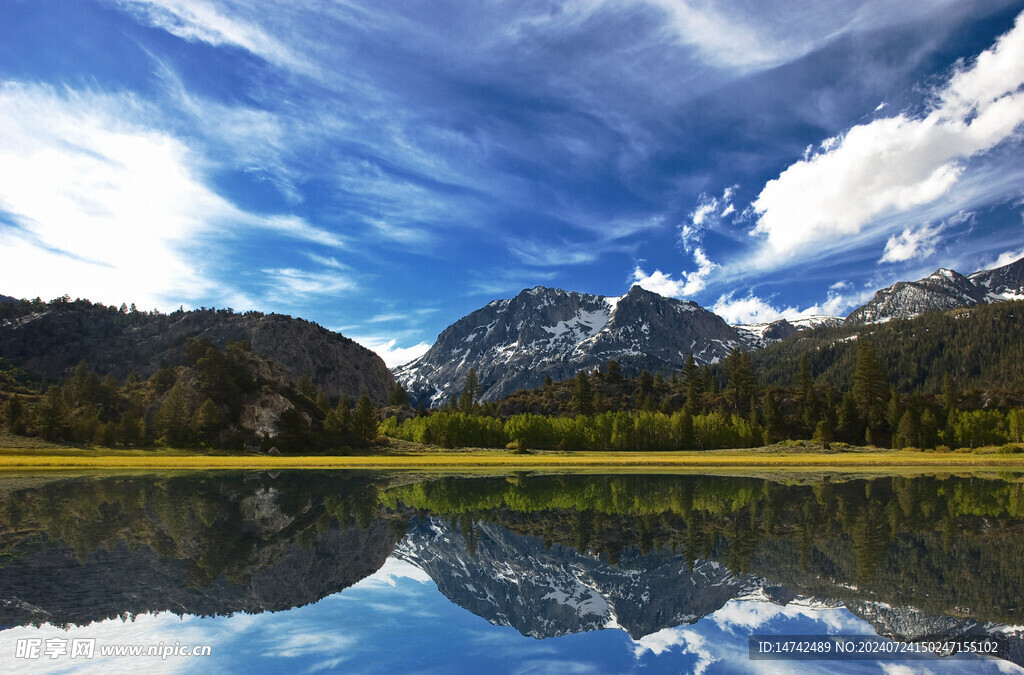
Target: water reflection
<point x="546" y="556"/>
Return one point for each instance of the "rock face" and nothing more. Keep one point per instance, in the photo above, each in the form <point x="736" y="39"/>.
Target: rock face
<point x="944" y="289"/>
<point x="51" y="338"/>
<point x="513" y="344"/>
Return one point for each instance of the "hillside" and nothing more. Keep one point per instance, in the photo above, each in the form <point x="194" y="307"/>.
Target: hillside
<point x="50" y="339"/>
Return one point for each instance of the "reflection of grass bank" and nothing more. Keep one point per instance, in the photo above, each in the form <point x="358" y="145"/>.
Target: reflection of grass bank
<point x="411" y="456"/>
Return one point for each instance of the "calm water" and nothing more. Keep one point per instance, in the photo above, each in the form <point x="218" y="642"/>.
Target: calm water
<point x="310" y="572"/>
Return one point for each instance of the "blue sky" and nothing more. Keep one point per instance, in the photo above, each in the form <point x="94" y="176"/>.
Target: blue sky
<point x="398" y="621"/>
<point x="385" y="168"/>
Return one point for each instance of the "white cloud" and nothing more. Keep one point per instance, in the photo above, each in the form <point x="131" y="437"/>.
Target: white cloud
<point x="198" y="21"/>
<point x="110" y="207"/>
<point x="912" y="244"/>
<point x="551" y="255"/>
<point x="669" y="638"/>
<point x="289" y="283"/>
<point x="706" y="214"/>
<point x="388" y="350"/>
<point x="690" y="284"/>
<point x="894" y="164"/>
<point x="752" y="309"/>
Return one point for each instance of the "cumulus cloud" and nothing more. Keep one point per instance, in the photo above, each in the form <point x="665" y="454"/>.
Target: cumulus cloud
<point x="690" y="283"/>
<point x="388" y="349"/>
<point x="894" y="164"/>
<point x="912" y="244"/>
<point x="667" y="639"/>
<point x="752" y="309"/>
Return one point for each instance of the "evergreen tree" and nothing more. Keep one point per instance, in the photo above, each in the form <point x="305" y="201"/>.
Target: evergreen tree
<point x="470" y="391"/>
<point x="692" y="383"/>
<point x="614" y="372"/>
<point x="869" y="386"/>
<point x="364" y="422"/>
<point x="582" y="401"/>
<point x="398" y="395"/>
<point x="175" y="416"/>
<point x="206" y="423"/>
<point x="742" y="384"/>
<point x="14" y="415"/>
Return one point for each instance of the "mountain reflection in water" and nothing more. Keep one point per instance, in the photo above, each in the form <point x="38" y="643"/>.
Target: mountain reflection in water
<point x="914" y="557"/>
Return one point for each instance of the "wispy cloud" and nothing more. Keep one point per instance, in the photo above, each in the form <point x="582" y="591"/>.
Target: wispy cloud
<point x="110" y="206"/>
<point x="288" y="284"/>
<point x="894" y="164"/>
<point x="199" y="21"/>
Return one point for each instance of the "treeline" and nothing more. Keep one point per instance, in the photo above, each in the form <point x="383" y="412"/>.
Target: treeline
<point x="979" y="347"/>
<point x="231" y="400"/>
<point x="639" y="430"/>
<point x="721" y="407"/>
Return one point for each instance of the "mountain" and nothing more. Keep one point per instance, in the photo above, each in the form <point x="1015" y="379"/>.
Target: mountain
<point x="1002" y="283"/>
<point x="944" y="289"/>
<point x="49" y="339"/>
<point x="759" y="335"/>
<point x="514" y="343"/>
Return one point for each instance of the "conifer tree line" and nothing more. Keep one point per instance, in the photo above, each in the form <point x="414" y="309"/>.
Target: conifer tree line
<point x="721" y="406"/>
<point x="211" y="402"/>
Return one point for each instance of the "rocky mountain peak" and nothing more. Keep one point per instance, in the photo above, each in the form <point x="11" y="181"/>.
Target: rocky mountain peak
<point x="943" y="289"/>
<point x="513" y="344"/>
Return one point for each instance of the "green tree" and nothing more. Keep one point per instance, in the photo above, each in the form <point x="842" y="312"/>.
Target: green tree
<point x="470" y="391"/>
<point x="693" y="384"/>
<point x="582" y="401"/>
<point x="869" y="386"/>
<point x="175" y="416"/>
<point x="364" y="422"/>
<point x="52" y="414"/>
<point x="398" y="395"/>
<point x="207" y="421"/>
<point x="742" y="384"/>
<point x="14" y="414"/>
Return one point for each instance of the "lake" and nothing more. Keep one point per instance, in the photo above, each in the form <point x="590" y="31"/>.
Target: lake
<point x="395" y="572"/>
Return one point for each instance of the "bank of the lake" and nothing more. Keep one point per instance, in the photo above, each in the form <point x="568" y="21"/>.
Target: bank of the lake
<point x="412" y="456"/>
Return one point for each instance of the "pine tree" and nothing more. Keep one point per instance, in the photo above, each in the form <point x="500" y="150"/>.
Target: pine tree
<point x="364" y="421"/>
<point x="470" y="391"/>
<point x="582" y="401"/>
<point x="175" y="417"/>
<point x="869" y="386"/>
<point x="398" y="395"/>
<point x="206" y="422"/>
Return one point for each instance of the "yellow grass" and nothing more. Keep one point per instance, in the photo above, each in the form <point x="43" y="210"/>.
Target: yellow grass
<point x="17" y="459"/>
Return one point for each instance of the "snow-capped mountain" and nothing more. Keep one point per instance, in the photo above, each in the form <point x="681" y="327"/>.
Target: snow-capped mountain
<point x="944" y="289"/>
<point x="759" y="335"/>
<point x="513" y="344"/>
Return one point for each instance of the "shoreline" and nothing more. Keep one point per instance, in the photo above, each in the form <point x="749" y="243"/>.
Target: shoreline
<point x="855" y="461"/>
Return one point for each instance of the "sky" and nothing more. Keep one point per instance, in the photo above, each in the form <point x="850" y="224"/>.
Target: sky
<point x="393" y="620"/>
<point x="384" y="169"/>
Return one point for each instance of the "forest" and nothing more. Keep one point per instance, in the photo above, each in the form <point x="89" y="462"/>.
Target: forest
<point x="947" y="380"/>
